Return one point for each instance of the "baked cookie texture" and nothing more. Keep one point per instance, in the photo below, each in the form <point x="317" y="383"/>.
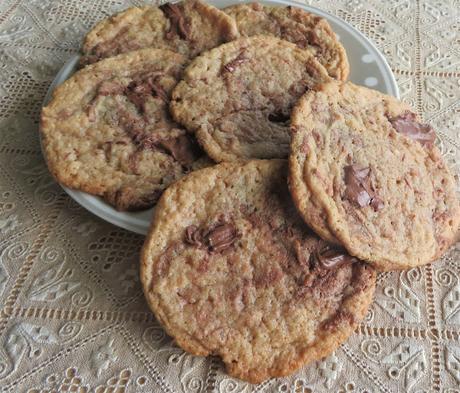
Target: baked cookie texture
<point x="306" y="30"/>
<point x="238" y="97"/>
<point x="108" y="132"/>
<point x="370" y="168"/>
<point x="189" y="27"/>
<point x="229" y="268"/>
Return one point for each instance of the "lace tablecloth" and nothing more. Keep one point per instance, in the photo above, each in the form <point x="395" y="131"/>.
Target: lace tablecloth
<point x="73" y="318"/>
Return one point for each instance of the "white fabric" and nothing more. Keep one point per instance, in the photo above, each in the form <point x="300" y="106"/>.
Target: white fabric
<point x="73" y="318"/>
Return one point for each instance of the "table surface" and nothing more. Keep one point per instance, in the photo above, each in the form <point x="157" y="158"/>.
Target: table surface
<point x="73" y="317"/>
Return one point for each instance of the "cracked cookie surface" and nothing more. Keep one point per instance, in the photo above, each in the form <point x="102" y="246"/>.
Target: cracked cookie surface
<point x="306" y="30"/>
<point x="237" y="98"/>
<point x="230" y="269"/>
<point x="188" y="27"/>
<point x="369" y="171"/>
<point x="107" y="130"/>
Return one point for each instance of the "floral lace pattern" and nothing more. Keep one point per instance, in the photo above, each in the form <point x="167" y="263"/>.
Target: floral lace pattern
<point x="72" y="314"/>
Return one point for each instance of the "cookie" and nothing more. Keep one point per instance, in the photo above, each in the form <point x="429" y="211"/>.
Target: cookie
<point x="230" y="269"/>
<point x="372" y="171"/>
<point x="107" y="130"/>
<point x="306" y="30"/>
<point x="237" y="98"/>
<point x="189" y="27"/>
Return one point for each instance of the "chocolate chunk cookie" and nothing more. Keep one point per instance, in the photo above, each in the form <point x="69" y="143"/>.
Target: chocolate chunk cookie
<point x="230" y="269"/>
<point x="370" y="169"/>
<point x="293" y="24"/>
<point x="188" y="27"/>
<point x="107" y="130"/>
<point x="238" y="97"/>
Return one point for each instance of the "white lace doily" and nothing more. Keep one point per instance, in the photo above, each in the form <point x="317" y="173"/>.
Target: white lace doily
<point x="73" y="318"/>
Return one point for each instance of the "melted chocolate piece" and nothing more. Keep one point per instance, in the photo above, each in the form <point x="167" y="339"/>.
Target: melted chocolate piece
<point x="358" y="188"/>
<point x="216" y="239"/>
<point x="107" y="88"/>
<point x="278" y="117"/>
<point x="376" y="203"/>
<point x="220" y="237"/>
<point x="232" y="65"/>
<point x="134" y="127"/>
<point x="183" y="149"/>
<point x="408" y="125"/>
<point x="139" y="90"/>
<point x="332" y="258"/>
<point x="193" y="235"/>
<point x="137" y="99"/>
<point x="177" y="21"/>
<point x="159" y="92"/>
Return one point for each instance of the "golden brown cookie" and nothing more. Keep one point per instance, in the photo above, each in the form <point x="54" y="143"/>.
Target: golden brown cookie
<point x="107" y="130"/>
<point x="237" y="98"/>
<point x="306" y="30"/>
<point x="230" y="269"/>
<point x="188" y="27"/>
<point x="370" y="171"/>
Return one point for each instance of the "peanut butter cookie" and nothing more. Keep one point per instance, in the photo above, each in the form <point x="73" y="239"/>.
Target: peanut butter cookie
<point x="371" y="170"/>
<point x="237" y="98"/>
<point x="188" y="27"/>
<point x="107" y="130"/>
<point x="230" y="269"/>
<point x="293" y="24"/>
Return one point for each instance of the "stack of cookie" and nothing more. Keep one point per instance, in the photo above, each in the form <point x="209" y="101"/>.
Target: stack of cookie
<point x="266" y="262"/>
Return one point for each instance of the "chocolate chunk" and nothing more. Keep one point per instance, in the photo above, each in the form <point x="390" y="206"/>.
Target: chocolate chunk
<point x="193" y="235"/>
<point x="134" y="126"/>
<point x="358" y="188"/>
<point x="127" y="199"/>
<point x="278" y="117"/>
<point x="91" y="108"/>
<point x="216" y="239"/>
<point x="332" y="258"/>
<point x="376" y="203"/>
<point x="183" y="149"/>
<point x="356" y="180"/>
<point x="139" y="90"/>
<point x="408" y="125"/>
<point x="220" y="237"/>
<point x="177" y="21"/>
<point x="232" y="65"/>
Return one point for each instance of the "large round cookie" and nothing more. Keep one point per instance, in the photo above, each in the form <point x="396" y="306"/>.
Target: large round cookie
<point x="230" y="269"/>
<point x="373" y="173"/>
<point x="238" y="97"/>
<point x="107" y="130"/>
<point x="188" y="27"/>
<point x="295" y="25"/>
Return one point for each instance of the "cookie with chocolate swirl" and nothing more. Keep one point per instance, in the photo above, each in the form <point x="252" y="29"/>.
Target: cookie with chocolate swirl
<point x="237" y="98"/>
<point x="365" y="173"/>
<point x="107" y="130"/>
<point x="188" y="27"/>
<point x="229" y="268"/>
<point x="293" y="24"/>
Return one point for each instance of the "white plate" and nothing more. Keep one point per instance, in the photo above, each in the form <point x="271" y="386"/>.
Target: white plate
<point x="368" y="68"/>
